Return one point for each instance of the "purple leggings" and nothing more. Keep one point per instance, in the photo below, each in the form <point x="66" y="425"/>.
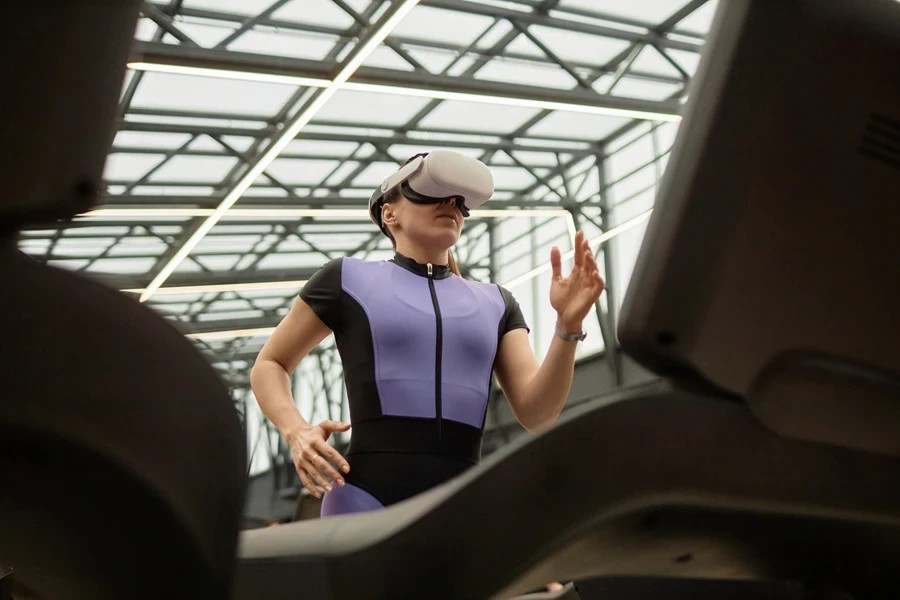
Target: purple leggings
<point x="347" y="500"/>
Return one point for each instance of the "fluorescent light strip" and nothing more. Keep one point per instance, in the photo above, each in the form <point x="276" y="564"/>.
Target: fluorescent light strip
<point x="597" y="241"/>
<point x="360" y="213"/>
<point x="275" y="285"/>
<point x="402" y="90"/>
<point x="302" y="212"/>
<point x="219" y="335"/>
<point x="223" y="287"/>
<point x="278" y="145"/>
<point x="226" y="74"/>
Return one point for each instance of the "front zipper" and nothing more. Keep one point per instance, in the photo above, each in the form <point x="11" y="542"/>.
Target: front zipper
<point x="437" y="361"/>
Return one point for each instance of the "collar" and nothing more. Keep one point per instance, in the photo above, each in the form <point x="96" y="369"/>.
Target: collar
<point x="438" y="271"/>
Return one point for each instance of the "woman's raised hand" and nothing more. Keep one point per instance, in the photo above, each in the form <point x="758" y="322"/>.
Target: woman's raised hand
<point x="573" y="296"/>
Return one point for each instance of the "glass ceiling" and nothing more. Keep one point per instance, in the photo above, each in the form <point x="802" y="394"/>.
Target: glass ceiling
<point x="572" y="103"/>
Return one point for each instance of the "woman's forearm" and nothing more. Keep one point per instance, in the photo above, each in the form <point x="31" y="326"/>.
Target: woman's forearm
<point x="271" y="385"/>
<point x="547" y="391"/>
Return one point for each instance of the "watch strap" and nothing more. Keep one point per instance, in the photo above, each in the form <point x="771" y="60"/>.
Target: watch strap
<point x="571" y="337"/>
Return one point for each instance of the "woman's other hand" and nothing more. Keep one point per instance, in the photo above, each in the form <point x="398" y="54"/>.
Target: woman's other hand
<point x="317" y="463"/>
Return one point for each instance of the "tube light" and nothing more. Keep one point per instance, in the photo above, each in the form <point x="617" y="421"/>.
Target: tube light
<point x="279" y="144"/>
<point x="228" y="74"/>
<point x="223" y="287"/>
<point x="360" y="213"/>
<point x="303" y="212"/>
<point x="218" y="335"/>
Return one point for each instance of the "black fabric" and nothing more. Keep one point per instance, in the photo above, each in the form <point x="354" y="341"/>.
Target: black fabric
<point x="406" y="435"/>
<point x="353" y="337"/>
<point x="392" y="477"/>
<point x="323" y="294"/>
<point x="437" y="271"/>
<point x="396" y="458"/>
<point x="512" y="316"/>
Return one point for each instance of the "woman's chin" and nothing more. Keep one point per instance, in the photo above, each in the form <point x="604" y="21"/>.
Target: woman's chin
<point x="445" y="237"/>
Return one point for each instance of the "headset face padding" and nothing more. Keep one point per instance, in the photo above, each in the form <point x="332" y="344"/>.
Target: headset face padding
<point x="436" y="177"/>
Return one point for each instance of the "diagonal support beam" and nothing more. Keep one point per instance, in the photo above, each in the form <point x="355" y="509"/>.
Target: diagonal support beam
<point x="360" y="53"/>
<point x="166" y="23"/>
<point x="362" y="22"/>
<point x="250" y="23"/>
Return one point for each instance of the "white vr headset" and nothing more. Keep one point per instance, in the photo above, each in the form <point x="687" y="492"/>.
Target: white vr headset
<point x="438" y="176"/>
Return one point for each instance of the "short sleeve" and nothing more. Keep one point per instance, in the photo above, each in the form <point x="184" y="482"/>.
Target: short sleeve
<point x="512" y="315"/>
<point x="322" y="293"/>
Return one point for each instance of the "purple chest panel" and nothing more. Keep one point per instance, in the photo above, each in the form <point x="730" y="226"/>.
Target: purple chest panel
<point x="401" y="314"/>
<point x="470" y="315"/>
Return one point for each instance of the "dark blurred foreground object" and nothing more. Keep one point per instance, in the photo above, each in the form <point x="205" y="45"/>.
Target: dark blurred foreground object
<point x="770" y="456"/>
<point x="122" y="458"/>
<point x="63" y="69"/>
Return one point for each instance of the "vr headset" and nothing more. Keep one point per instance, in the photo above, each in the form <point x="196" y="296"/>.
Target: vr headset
<point x="435" y="177"/>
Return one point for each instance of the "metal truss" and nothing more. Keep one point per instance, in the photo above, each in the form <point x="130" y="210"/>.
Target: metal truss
<point x="228" y="281"/>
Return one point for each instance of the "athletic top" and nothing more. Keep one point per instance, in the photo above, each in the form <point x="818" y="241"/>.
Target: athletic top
<point x="418" y="347"/>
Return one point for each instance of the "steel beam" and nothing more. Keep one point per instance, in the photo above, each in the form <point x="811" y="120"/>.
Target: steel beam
<point x="166" y="23"/>
<point x="343" y="36"/>
<point x="667" y="25"/>
<point x="354" y="137"/>
<point x="471" y="8"/>
<point x="329" y="201"/>
<point x="167" y="54"/>
<point x="498" y="11"/>
<point x="613" y="355"/>
<point x="227" y="325"/>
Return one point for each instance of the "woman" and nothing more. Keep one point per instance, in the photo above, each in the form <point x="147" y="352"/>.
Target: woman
<point x="418" y="345"/>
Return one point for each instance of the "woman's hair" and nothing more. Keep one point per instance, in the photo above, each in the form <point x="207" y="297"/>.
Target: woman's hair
<point x="393" y="196"/>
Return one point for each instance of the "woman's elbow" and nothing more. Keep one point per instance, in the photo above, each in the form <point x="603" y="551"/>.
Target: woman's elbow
<point x="262" y="371"/>
<point x="535" y="420"/>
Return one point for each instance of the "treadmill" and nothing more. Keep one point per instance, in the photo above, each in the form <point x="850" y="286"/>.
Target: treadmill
<point x="765" y="463"/>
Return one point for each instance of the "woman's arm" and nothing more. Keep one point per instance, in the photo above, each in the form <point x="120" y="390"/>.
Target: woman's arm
<point x="294" y="338"/>
<point x="536" y="393"/>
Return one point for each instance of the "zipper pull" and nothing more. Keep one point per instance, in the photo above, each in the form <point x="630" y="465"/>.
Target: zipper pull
<point x="430" y="272"/>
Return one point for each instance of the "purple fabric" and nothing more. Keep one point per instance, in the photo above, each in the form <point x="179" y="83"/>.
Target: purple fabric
<point x="470" y="314"/>
<point x="398" y="305"/>
<point x="401" y="315"/>
<point x="347" y="500"/>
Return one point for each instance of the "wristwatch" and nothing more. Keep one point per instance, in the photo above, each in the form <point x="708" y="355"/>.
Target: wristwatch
<point x="571" y="337"/>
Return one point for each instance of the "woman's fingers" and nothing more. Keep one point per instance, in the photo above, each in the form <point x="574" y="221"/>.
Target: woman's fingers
<point x="590" y="260"/>
<point x="333" y="456"/>
<point x="316" y="476"/>
<point x="325" y="461"/>
<point x="556" y="263"/>
<point x="579" y="248"/>
<point x="308" y="483"/>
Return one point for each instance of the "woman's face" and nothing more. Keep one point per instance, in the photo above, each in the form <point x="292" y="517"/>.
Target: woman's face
<point x="433" y="225"/>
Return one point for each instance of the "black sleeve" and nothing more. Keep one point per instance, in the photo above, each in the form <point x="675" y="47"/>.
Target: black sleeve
<point x="323" y="293"/>
<point x="512" y="316"/>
